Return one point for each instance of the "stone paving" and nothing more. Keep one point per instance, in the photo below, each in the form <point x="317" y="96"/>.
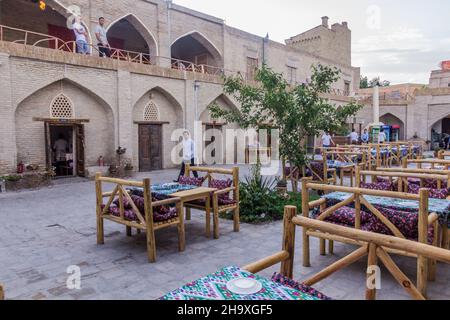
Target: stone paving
<point x="43" y="232"/>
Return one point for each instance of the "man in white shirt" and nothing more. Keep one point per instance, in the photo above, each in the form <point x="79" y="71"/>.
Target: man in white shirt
<point x="102" y="39"/>
<point x="382" y="136"/>
<point x="60" y="146"/>
<point x="80" y="36"/>
<point x="354" y="137"/>
<point x="188" y="154"/>
<point x="327" y="140"/>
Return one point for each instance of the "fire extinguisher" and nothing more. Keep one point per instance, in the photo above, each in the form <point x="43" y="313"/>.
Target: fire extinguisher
<point x="101" y="162"/>
<point x="20" y="168"/>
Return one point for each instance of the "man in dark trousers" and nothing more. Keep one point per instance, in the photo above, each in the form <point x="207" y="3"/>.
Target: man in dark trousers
<point x="188" y="154"/>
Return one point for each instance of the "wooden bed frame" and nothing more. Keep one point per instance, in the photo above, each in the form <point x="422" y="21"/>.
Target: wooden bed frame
<point x="145" y="222"/>
<point x="432" y="162"/>
<point x="375" y="246"/>
<point x="426" y="268"/>
<point x="217" y="209"/>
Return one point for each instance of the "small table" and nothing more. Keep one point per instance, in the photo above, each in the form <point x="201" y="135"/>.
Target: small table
<point x="201" y="193"/>
<point x="213" y="287"/>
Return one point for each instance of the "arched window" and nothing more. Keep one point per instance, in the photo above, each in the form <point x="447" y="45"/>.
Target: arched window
<point x="151" y="112"/>
<point x="61" y="108"/>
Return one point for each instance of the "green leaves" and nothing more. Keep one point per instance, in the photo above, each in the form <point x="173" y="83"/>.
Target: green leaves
<point x="299" y="111"/>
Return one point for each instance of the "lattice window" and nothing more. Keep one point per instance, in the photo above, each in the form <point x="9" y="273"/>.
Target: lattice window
<point x="151" y="112"/>
<point x="61" y="108"/>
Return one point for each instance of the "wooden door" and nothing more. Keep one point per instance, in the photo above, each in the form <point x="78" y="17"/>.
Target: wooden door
<point x="80" y="147"/>
<point x="446" y="126"/>
<point x="211" y="138"/>
<point x="150" y="147"/>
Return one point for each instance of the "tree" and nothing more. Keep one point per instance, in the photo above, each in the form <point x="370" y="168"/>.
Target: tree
<point x="365" y="83"/>
<point x="296" y="111"/>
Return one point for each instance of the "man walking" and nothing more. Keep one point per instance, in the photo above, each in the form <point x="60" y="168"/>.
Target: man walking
<point x="327" y="140"/>
<point x="80" y="36"/>
<point x="365" y="137"/>
<point x="102" y="39"/>
<point x="354" y="137"/>
<point x="188" y="154"/>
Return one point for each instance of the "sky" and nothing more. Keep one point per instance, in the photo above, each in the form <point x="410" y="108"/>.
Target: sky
<point x="400" y="41"/>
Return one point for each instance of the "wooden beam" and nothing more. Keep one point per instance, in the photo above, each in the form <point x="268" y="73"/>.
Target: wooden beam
<point x="267" y="262"/>
<point x="337" y="266"/>
<point x="61" y="121"/>
<point x="379" y="239"/>
<point x="401" y="278"/>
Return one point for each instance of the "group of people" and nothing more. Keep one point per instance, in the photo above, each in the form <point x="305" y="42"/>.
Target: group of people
<point x="81" y="37"/>
<point x="327" y="140"/>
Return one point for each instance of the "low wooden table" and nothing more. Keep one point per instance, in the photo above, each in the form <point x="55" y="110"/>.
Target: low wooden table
<point x="200" y="194"/>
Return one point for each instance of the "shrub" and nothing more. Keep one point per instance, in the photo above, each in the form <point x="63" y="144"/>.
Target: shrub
<point x="260" y="202"/>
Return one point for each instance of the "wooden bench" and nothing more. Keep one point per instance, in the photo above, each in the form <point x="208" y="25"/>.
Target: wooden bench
<point x="357" y="197"/>
<point x="373" y="245"/>
<point x="145" y="220"/>
<point x="215" y="203"/>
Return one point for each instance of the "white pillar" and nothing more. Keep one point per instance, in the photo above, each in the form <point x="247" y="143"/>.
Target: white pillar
<point x="376" y="104"/>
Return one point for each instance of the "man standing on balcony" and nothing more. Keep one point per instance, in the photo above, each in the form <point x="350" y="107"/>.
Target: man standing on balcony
<point x="102" y="39"/>
<point x="81" y="36"/>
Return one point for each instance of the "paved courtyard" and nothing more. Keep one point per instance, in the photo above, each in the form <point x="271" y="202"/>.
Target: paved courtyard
<point x="43" y="232"/>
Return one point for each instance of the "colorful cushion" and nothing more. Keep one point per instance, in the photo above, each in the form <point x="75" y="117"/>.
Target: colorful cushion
<point x="285" y="281"/>
<point x="220" y="185"/>
<point x="434" y="193"/>
<point x="383" y="186"/>
<point x="160" y="213"/>
<point x="191" y="181"/>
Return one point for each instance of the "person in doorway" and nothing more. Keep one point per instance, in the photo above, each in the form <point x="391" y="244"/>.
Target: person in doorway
<point x="354" y="137"/>
<point x="102" y="39"/>
<point x="365" y="137"/>
<point x="80" y="36"/>
<point x="382" y="136"/>
<point x="327" y="140"/>
<point x="188" y="154"/>
<point x="60" y="148"/>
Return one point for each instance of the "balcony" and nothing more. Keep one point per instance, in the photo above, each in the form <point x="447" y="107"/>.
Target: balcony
<point x="41" y="40"/>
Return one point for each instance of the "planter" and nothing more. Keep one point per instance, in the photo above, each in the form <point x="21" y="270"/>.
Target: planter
<point x="30" y="180"/>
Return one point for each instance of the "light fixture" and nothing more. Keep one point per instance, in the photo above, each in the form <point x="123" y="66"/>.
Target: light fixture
<point x="42" y="5"/>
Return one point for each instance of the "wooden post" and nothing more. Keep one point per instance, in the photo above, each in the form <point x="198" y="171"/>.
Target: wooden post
<point x="99" y="196"/>
<point x="187" y="173"/>
<point x="445" y="237"/>
<point x="181" y="229"/>
<point x="323" y="252"/>
<point x="236" y="215"/>
<point x="422" y="262"/>
<point x="287" y="266"/>
<point x="151" y="245"/>
<point x="371" y="293"/>
<point x="358" y="199"/>
<point x="215" y="202"/>
<point x="208" y="215"/>
<point x="432" y="264"/>
<point x="305" y="213"/>
<point x="2" y="293"/>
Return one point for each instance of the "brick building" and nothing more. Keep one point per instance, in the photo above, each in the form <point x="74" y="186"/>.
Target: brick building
<point x="165" y="71"/>
<point x="422" y="111"/>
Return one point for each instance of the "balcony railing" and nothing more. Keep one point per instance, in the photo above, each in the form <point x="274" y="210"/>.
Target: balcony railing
<point x="36" y="39"/>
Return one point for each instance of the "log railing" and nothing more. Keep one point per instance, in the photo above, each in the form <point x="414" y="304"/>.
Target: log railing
<point x="373" y="245"/>
<point x="357" y="198"/>
<point x="144" y="219"/>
